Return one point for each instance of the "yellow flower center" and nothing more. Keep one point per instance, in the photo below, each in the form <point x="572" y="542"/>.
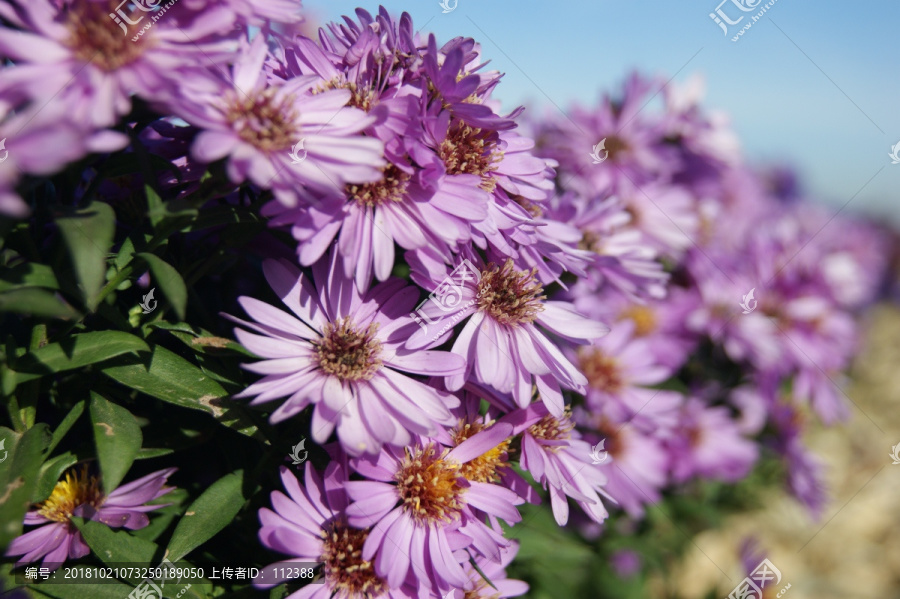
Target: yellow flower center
<point x="76" y="489"/>
<point x="482" y="469"/>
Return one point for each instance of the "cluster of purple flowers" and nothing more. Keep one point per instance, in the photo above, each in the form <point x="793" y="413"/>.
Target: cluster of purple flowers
<point x="574" y="271"/>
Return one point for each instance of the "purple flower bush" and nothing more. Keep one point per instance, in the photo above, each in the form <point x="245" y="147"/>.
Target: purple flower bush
<point x="472" y="316"/>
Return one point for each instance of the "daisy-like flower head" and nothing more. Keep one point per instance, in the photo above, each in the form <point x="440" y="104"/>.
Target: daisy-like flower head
<point x="709" y="444"/>
<point x="341" y="352"/>
<point x="500" y="586"/>
<point x="56" y="539"/>
<point x="634" y="149"/>
<point x="501" y="339"/>
<point x="79" y="52"/>
<point x="257" y="121"/>
<point x="559" y="461"/>
<point x="459" y="89"/>
<point x="424" y="512"/>
<point x="309" y="524"/>
<point x="622" y="256"/>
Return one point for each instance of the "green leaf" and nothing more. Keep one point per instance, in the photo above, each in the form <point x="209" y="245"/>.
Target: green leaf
<point x="209" y="514"/>
<point x="66" y="424"/>
<point x="18" y="476"/>
<point x="51" y="471"/>
<point x="115" y="547"/>
<point x="88" y="233"/>
<point x="36" y="302"/>
<point x="169" y="377"/>
<point x="106" y="590"/>
<point x="169" y="281"/>
<point x="76" y="351"/>
<point x="153" y="452"/>
<point x="118" y="438"/>
<point x="29" y="274"/>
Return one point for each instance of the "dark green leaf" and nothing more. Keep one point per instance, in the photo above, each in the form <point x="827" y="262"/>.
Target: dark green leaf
<point x="117" y="437"/>
<point x="106" y="590"/>
<point x="171" y="378"/>
<point x="115" y="546"/>
<point x="29" y="274"/>
<point x="209" y="514"/>
<point x="37" y="302"/>
<point x="66" y="424"/>
<point x="88" y="233"/>
<point x="75" y="352"/>
<point x="19" y="475"/>
<point x="169" y="281"/>
<point x="51" y="471"/>
<point x="153" y="452"/>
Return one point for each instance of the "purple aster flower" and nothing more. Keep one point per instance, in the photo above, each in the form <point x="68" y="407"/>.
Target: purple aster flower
<point x="636" y="467"/>
<point x="667" y="216"/>
<point x="659" y="322"/>
<point x="560" y="462"/>
<point x="495" y="571"/>
<point x="709" y="444"/>
<point x="55" y="539"/>
<point x="342" y="352"/>
<point x="78" y="52"/>
<point x="310" y="525"/>
<point x="634" y="152"/>
<point x="252" y="12"/>
<point x="456" y="86"/>
<point x="805" y="471"/>
<point x="256" y="121"/>
<point x="620" y="369"/>
<point x="503" y="339"/>
<point x="425" y="507"/>
<point x="622" y="257"/>
<point x="41" y="141"/>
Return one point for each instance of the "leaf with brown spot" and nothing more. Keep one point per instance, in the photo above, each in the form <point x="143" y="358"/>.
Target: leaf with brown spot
<point x="117" y="437"/>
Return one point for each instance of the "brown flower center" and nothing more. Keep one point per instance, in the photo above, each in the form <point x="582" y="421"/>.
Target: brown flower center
<point x="601" y="370"/>
<point x="643" y="317"/>
<point x="469" y="150"/>
<point x="616" y="146"/>
<point x="347" y="352"/>
<point x="511" y="297"/>
<point x="428" y="486"/>
<point x="532" y="208"/>
<point x="347" y="573"/>
<point x="613" y="439"/>
<point x="551" y="428"/>
<point x="391" y="188"/>
<point x="263" y="120"/>
<point x="482" y="469"/>
<point x="76" y="489"/>
<point x="362" y="98"/>
<point x="94" y="37"/>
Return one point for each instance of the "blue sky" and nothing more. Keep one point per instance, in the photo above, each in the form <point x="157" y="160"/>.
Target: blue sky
<point x="814" y="86"/>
